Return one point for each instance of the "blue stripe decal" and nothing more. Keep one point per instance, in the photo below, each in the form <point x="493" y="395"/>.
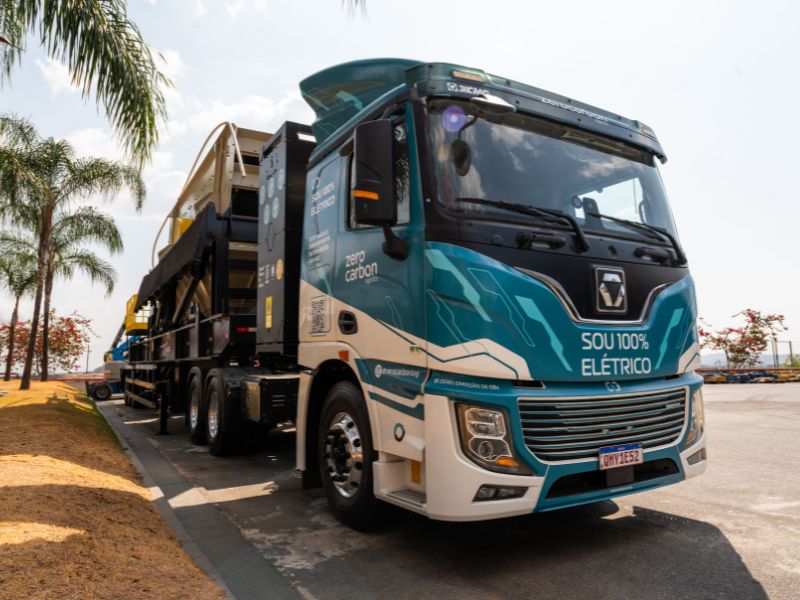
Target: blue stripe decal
<point x="418" y="411"/>
<point x="673" y="322"/>
<point x="530" y="308"/>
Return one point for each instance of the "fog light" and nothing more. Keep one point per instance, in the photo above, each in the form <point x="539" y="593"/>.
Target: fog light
<point x="697" y="457"/>
<point x="497" y="492"/>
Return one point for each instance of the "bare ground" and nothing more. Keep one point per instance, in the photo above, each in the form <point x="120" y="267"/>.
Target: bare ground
<point x="75" y="521"/>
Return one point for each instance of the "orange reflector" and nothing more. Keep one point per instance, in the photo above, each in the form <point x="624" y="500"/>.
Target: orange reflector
<point x="478" y="77"/>
<point x="416" y="471"/>
<point x="365" y="194"/>
<point x="344" y="355"/>
<point x="507" y="461"/>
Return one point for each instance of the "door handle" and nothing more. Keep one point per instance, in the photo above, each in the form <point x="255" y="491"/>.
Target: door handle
<point x="348" y="324"/>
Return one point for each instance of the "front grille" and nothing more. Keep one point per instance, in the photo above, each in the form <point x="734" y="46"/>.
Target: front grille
<point x="558" y="429"/>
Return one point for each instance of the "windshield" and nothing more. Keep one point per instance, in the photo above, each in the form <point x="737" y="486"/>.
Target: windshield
<point x="522" y="159"/>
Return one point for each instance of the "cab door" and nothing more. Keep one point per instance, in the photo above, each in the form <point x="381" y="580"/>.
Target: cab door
<point x="380" y="308"/>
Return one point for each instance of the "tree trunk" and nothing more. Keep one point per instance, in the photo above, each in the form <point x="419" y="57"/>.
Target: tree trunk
<point x="12" y="331"/>
<point x="41" y="272"/>
<point x="48" y="292"/>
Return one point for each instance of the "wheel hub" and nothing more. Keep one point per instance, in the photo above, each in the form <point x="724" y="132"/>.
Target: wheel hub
<point x="194" y="410"/>
<point x="343" y="455"/>
<point x="213" y="415"/>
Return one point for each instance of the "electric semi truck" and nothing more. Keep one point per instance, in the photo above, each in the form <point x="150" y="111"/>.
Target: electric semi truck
<point x="467" y="293"/>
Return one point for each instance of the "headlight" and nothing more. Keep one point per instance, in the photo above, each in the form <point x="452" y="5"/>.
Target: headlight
<point x="698" y="419"/>
<point x="486" y="441"/>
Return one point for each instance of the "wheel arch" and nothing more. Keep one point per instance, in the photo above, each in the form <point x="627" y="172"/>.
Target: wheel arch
<point x="323" y="378"/>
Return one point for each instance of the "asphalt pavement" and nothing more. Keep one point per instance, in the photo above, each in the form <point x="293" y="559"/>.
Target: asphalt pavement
<point x="732" y="533"/>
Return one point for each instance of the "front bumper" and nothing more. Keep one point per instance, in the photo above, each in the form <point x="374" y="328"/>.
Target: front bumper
<point x="452" y="480"/>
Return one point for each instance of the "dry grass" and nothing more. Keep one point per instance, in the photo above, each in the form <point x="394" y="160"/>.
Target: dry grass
<point x="75" y="521"/>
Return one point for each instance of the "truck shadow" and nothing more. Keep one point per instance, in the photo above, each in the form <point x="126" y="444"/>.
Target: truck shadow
<point x="599" y="551"/>
<point x="596" y="551"/>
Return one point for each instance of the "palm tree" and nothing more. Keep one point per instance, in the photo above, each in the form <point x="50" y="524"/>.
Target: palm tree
<point x="40" y="177"/>
<point x="67" y="255"/>
<point x="105" y="54"/>
<point x="18" y="276"/>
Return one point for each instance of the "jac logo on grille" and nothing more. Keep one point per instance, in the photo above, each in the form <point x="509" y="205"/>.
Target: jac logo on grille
<point x="611" y="295"/>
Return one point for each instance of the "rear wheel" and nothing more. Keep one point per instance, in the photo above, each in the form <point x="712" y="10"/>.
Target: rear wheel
<point x="346" y="456"/>
<point x="223" y="426"/>
<point x="196" y="411"/>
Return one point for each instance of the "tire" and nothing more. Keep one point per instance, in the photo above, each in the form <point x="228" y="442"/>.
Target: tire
<point x="224" y="430"/>
<point x="344" y="437"/>
<point x="102" y="391"/>
<point x="196" y="411"/>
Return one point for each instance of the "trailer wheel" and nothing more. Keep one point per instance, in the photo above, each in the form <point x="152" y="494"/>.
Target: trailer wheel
<point x="101" y="391"/>
<point x="222" y="426"/>
<point x="346" y="456"/>
<point x="196" y="411"/>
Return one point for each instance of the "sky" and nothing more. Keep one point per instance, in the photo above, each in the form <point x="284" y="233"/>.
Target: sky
<point x="717" y="81"/>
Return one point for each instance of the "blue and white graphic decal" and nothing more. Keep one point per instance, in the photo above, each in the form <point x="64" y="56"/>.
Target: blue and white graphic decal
<point x="318" y="254"/>
<point x="473" y="299"/>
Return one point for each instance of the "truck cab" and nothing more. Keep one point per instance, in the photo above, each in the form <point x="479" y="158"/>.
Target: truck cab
<point x="495" y="313"/>
<point x="467" y="293"/>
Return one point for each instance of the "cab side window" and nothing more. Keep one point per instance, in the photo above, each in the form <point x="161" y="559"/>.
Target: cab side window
<point x="402" y="179"/>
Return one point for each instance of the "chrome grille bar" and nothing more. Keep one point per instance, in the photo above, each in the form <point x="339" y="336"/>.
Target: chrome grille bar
<point x="557" y="429"/>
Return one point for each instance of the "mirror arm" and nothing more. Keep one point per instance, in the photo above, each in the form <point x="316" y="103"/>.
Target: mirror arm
<point x="395" y="247"/>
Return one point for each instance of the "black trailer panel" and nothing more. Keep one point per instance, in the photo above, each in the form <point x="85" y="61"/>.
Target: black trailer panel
<point x="281" y="198"/>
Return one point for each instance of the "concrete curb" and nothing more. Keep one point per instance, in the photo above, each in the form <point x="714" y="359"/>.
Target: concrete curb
<point x="214" y="543"/>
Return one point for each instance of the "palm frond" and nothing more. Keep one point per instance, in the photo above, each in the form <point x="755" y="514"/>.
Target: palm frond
<point x="86" y="224"/>
<point x="105" y="54"/>
<point x="98" y="270"/>
<point x="18" y="262"/>
<point x="17" y="131"/>
<point x="91" y="176"/>
<point x="355" y="8"/>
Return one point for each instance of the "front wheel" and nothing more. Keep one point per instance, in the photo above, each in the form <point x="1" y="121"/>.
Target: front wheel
<point x="346" y="456"/>
<point x="102" y="391"/>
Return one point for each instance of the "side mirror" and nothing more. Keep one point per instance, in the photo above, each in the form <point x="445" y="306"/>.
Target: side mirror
<point x="372" y="190"/>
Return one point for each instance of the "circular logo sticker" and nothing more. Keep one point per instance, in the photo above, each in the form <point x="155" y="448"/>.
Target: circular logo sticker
<point x="399" y="432"/>
<point x="279" y="269"/>
<point x="270" y="186"/>
<point x="262" y="194"/>
<point x="281" y="179"/>
<point x="378" y="371"/>
<point x="266" y="214"/>
<point x="275" y="207"/>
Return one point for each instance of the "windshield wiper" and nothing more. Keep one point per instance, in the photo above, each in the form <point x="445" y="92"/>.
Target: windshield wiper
<point x="649" y="229"/>
<point x="547" y="214"/>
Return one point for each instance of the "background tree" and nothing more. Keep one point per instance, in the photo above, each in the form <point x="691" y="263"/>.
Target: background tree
<point x="105" y="54"/>
<point x="69" y="336"/>
<point x="743" y="345"/>
<point x="40" y="177"/>
<point x="18" y="276"/>
<point x="71" y="231"/>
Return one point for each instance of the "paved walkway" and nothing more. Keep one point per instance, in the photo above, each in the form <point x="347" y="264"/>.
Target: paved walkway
<point x="213" y="542"/>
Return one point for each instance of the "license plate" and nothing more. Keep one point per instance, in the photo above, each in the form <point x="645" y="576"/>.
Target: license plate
<point x="625" y="455"/>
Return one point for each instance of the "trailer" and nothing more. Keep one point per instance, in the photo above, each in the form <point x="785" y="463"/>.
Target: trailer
<point x="467" y="293"/>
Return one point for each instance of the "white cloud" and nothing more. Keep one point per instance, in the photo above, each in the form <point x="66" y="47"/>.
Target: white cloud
<point x="234" y="8"/>
<point x="170" y="63"/>
<point x="253" y="111"/>
<point x="56" y="75"/>
<point x="94" y="141"/>
<point x="199" y="8"/>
